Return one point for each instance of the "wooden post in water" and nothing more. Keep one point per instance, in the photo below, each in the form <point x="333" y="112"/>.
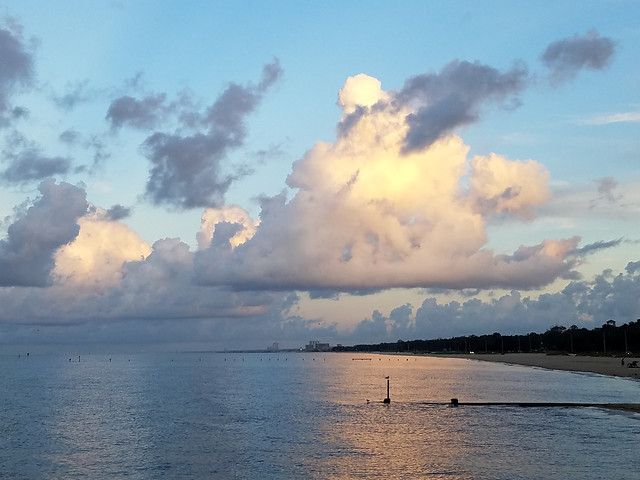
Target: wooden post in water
<point x="388" y="399"/>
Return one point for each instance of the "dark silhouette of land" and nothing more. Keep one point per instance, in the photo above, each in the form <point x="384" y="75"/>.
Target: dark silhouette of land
<point x="608" y="340"/>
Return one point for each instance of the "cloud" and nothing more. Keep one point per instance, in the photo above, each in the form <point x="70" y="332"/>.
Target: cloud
<point x="109" y="275"/>
<point x="76" y="93"/>
<point x="453" y="97"/>
<point x="607" y="192"/>
<point x="500" y="186"/>
<point x="567" y="57"/>
<point x="606" y="185"/>
<point x="228" y="214"/>
<point x="95" y="259"/>
<point x="587" y="303"/>
<point x="367" y="214"/>
<point x="118" y="212"/>
<point x="598" y="246"/>
<point x="609" y="118"/>
<point x="141" y="114"/>
<point x="17" y="66"/>
<point x="30" y="164"/>
<point x="27" y="253"/>
<point x="435" y="104"/>
<point x="91" y="143"/>
<point x="186" y="170"/>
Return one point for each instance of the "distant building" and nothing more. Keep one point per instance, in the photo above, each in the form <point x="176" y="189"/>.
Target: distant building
<point x="274" y="348"/>
<point x="316" y="346"/>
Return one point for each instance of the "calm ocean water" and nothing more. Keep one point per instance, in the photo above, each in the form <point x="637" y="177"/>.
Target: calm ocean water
<point x="302" y="415"/>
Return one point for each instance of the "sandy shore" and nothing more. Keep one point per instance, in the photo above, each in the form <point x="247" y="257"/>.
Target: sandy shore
<point x="574" y="363"/>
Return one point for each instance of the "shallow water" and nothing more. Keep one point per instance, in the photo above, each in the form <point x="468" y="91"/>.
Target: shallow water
<point x="301" y="415"/>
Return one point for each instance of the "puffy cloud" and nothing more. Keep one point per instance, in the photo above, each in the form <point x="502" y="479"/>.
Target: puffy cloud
<point x="226" y="214"/>
<point x="108" y="274"/>
<point x="499" y="185"/>
<point x="162" y="286"/>
<point x="27" y="254"/>
<point x="361" y="91"/>
<point x="95" y="260"/>
<point x="17" y="65"/>
<point x="367" y="214"/>
<point x="567" y="57"/>
<point x="186" y="171"/>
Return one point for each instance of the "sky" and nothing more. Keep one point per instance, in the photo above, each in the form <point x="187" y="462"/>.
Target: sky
<point x="226" y="175"/>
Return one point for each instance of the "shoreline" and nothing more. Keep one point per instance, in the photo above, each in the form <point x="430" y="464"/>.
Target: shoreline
<point x="610" y="366"/>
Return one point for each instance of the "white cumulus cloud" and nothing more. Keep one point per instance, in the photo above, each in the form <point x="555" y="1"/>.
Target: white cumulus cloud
<point x="368" y="214"/>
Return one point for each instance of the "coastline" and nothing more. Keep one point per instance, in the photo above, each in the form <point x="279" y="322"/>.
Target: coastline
<point x="610" y="366"/>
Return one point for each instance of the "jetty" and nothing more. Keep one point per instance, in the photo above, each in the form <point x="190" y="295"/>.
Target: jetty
<point x="617" y="406"/>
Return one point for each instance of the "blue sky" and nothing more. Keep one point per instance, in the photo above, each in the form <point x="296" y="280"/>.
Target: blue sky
<point x="232" y="174"/>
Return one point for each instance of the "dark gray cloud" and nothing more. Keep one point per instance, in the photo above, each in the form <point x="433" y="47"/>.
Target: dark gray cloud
<point x="30" y="164"/>
<point x="118" y="212"/>
<point x="453" y="97"/>
<point x="186" y="171"/>
<point x="16" y="68"/>
<point x="565" y="58"/>
<point x="632" y="267"/>
<point x="597" y="246"/>
<point x="26" y="254"/>
<point x="142" y="114"/>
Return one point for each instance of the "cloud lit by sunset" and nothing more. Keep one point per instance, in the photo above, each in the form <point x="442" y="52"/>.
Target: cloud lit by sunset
<point x="367" y="215"/>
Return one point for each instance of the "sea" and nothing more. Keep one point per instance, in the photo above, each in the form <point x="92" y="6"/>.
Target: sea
<point x="290" y="415"/>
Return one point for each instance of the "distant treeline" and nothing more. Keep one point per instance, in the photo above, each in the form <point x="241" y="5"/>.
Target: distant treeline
<point x="606" y="340"/>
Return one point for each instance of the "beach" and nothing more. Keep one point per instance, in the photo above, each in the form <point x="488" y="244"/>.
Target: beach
<point x="575" y="363"/>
